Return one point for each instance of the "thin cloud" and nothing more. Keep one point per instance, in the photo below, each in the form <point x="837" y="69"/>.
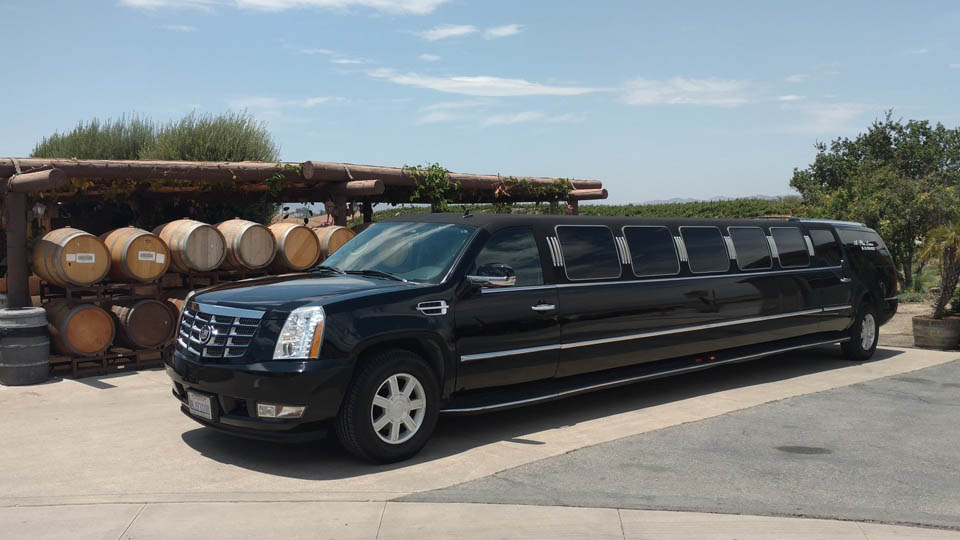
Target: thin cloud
<point x="348" y="61"/>
<point x="790" y="97"/>
<point x="273" y="103"/>
<point x="918" y="51"/>
<point x="479" y="85"/>
<point x="182" y="28"/>
<point x="429" y="57"/>
<point x="448" y="111"/>
<point x="686" y="91"/>
<point x="528" y="116"/>
<point x="827" y="118"/>
<point x="325" y="52"/>
<point x="446" y="105"/>
<point x="445" y="31"/>
<point x="954" y="66"/>
<point x="403" y="7"/>
<point x="503" y="31"/>
<point x="797" y="77"/>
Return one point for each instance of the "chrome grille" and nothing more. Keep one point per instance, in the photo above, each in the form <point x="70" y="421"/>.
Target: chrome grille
<point x="232" y="330"/>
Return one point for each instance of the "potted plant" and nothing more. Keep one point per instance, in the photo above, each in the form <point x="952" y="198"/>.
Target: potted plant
<point x="940" y="331"/>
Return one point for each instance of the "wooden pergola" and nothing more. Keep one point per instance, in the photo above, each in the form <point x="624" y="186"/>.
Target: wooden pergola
<point x="313" y="181"/>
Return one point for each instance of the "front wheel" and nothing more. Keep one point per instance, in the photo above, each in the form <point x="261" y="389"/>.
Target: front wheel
<point x="863" y="334"/>
<point x="391" y="408"/>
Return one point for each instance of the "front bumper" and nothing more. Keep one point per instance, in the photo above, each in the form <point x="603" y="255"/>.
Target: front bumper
<point x="237" y="388"/>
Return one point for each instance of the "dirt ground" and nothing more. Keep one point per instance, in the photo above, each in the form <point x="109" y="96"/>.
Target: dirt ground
<point x="898" y="332"/>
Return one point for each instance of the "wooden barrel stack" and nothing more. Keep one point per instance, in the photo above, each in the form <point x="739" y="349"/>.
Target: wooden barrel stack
<point x="136" y="255"/>
<point x="332" y="238"/>
<point x="145" y="324"/>
<point x="79" y="329"/>
<point x="70" y="257"/>
<point x="85" y="321"/>
<point x="194" y="246"/>
<point x="250" y="245"/>
<point x="298" y="248"/>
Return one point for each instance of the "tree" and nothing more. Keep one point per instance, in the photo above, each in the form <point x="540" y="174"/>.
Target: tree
<point x="943" y="243"/>
<point x="899" y="178"/>
<point x="224" y="137"/>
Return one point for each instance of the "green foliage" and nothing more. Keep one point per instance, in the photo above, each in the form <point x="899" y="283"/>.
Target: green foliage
<point x="432" y="184"/>
<point x="899" y="178"/>
<point x="225" y="137"/>
<point x="123" y="138"/>
<point x="943" y="243"/>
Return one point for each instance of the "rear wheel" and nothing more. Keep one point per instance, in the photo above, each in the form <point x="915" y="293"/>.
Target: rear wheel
<point x="391" y="408"/>
<point x="863" y="334"/>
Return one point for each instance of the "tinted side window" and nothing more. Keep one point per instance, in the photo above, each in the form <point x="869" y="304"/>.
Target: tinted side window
<point x="867" y="244"/>
<point x="516" y="248"/>
<point x="588" y="252"/>
<point x="753" y="250"/>
<point x="791" y="247"/>
<point x="652" y="251"/>
<point x="706" y="249"/>
<point x="826" y="247"/>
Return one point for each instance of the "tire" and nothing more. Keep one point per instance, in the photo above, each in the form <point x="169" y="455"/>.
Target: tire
<point x="397" y="380"/>
<point x="864" y="334"/>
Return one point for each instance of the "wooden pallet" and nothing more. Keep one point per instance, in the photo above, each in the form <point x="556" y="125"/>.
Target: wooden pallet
<point x="206" y="279"/>
<point x="117" y="359"/>
<point x="102" y="293"/>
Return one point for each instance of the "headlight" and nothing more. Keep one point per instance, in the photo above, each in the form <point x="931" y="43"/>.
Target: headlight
<point x="301" y="335"/>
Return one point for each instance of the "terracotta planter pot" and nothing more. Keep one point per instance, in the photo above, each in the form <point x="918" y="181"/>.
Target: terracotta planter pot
<point x="931" y="333"/>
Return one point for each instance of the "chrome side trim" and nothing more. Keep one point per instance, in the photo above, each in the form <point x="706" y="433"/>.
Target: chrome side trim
<point x="622" y="249"/>
<point x="684" y="329"/>
<point x="638" y="378"/>
<point x="731" y="250"/>
<point x="810" y="250"/>
<point x="681" y="248"/>
<point x="433" y="307"/>
<point x="229" y="311"/>
<point x="773" y="248"/>
<point x="643" y="335"/>
<point x="745" y="274"/>
<point x="511" y="352"/>
<point x="555" y="252"/>
<point x="891" y="298"/>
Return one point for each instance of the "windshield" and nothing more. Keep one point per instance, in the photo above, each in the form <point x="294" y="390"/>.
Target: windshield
<point x="411" y="251"/>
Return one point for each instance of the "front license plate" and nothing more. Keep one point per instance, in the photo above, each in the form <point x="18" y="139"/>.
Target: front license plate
<point x="200" y="405"/>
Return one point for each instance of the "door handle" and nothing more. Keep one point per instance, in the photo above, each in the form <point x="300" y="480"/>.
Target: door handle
<point x="845" y="280"/>
<point x="543" y="307"/>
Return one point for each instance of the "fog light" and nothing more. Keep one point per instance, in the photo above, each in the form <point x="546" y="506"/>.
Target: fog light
<point x="270" y="410"/>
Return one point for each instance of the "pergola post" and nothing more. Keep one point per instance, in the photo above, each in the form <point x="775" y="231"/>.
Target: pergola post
<point x="574" y="206"/>
<point x="340" y="210"/>
<point x="367" y="210"/>
<point x="553" y="208"/>
<point x="15" y="210"/>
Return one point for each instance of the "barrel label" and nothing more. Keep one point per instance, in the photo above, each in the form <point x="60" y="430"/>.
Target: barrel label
<point x="147" y="255"/>
<point x="160" y="258"/>
<point x="85" y="258"/>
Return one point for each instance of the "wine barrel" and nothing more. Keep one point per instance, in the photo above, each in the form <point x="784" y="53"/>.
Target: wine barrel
<point x="70" y="256"/>
<point x="332" y="238"/>
<point x="79" y="329"/>
<point x="297" y="247"/>
<point x="193" y="246"/>
<point x="145" y="324"/>
<point x="24" y="346"/>
<point x="177" y="298"/>
<point x="249" y="245"/>
<point x="136" y="254"/>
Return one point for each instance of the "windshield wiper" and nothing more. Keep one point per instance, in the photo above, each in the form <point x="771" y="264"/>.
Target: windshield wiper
<point x="323" y="268"/>
<point x="377" y="273"/>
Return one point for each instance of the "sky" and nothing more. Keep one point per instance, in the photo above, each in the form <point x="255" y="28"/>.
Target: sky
<point x="658" y="100"/>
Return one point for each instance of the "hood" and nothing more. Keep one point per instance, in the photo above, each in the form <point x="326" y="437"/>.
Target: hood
<point x="282" y="294"/>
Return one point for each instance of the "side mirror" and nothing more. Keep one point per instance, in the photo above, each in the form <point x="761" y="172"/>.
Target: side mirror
<point x="493" y="275"/>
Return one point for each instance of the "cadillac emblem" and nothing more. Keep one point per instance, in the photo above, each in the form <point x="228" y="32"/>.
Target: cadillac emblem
<point x="206" y="333"/>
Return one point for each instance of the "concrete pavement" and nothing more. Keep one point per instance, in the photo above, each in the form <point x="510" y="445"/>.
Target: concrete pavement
<point x="112" y="444"/>
<point x="418" y="521"/>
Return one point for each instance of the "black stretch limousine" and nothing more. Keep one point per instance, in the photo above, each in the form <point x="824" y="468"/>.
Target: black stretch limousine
<point x="463" y="314"/>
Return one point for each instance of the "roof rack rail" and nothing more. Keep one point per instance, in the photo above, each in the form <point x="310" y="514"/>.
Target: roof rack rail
<point x="829" y="221"/>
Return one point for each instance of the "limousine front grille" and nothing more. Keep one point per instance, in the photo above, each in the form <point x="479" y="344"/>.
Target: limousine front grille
<point x="217" y="332"/>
